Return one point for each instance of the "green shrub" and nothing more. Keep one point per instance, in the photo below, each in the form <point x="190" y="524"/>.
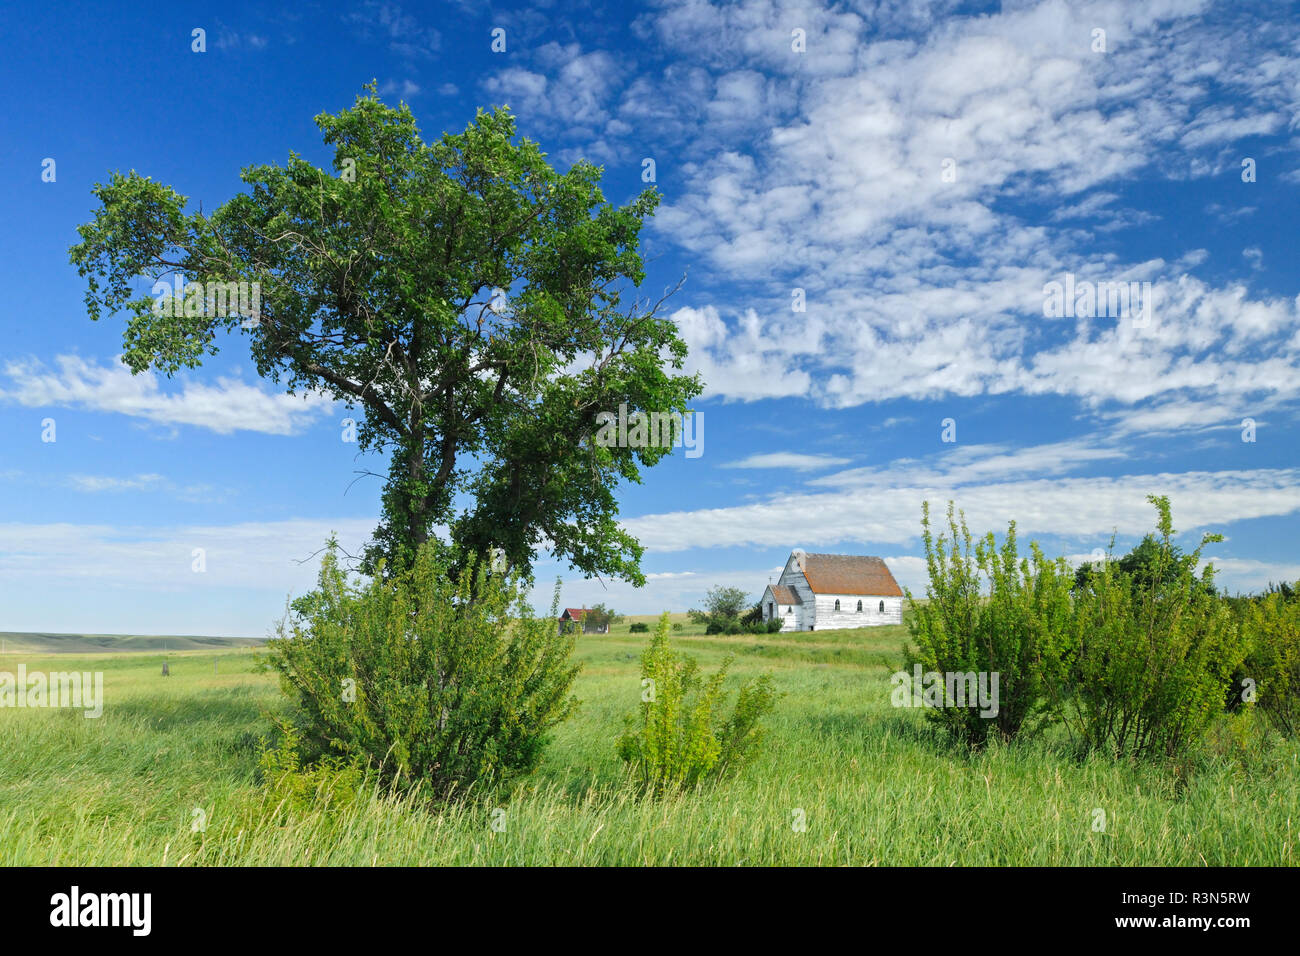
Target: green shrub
<point x="681" y="737"/>
<point x="1148" y="661"/>
<point x="1009" y="632"/>
<point x="451" y="684"/>
<point x="330" y="784"/>
<point x="774" y="625"/>
<point x="1272" y="626"/>
<point x="727" y="625"/>
<point x="639" y="627"/>
<point x="724" y="611"/>
<point x="677" y="626"/>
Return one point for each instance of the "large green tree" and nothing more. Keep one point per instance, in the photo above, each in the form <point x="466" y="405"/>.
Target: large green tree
<point x="475" y="304"/>
<point x="722" y="607"/>
<point x="1145" y="566"/>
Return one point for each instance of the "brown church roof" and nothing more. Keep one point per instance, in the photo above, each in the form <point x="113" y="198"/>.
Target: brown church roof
<point x="848" y="574"/>
<point x="785" y="594"/>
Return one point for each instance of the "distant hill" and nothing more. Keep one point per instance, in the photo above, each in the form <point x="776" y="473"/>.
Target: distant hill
<point x="34" y="643"/>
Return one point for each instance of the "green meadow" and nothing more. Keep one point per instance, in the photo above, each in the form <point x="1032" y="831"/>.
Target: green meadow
<point x="169" y="775"/>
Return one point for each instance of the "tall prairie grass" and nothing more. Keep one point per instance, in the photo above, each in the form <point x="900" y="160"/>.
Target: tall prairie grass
<point x="874" y="784"/>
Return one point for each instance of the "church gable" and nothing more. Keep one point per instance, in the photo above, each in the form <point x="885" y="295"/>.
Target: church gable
<point x="783" y="594"/>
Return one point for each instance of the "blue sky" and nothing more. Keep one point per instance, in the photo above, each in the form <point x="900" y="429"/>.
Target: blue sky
<point x="920" y="170"/>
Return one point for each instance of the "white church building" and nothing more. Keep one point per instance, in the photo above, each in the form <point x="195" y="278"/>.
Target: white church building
<point x="824" y="592"/>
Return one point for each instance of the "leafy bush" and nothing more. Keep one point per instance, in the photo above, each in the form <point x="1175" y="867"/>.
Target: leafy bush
<point x="452" y="684"/>
<point x="774" y="625"/>
<point x="724" y="608"/>
<point x="1008" y="633"/>
<point x="639" y="627"/>
<point x="677" y="626"/>
<point x="681" y="736"/>
<point x="1272" y="625"/>
<point x="1149" y="658"/>
<point x="330" y="784"/>
<point x="1136" y="657"/>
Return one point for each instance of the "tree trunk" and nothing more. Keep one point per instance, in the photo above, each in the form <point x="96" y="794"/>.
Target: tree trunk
<point x="416" y="526"/>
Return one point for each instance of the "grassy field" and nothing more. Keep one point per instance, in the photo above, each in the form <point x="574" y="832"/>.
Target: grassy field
<point x="874" y="784"/>
<point x="33" y="643"/>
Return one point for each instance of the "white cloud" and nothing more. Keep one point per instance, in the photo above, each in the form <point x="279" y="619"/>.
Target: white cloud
<point x="390" y="24"/>
<point x="150" y="483"/>
<point x="404" y="89"/>
<point x="967" y="464"/>
<point x="923" y="286"/>
<point x="1219" y="125"/>
<point x="575" y="89"/>
<point x="1246" y="575"/>
<point x="1072" y="507"/>
<point x="226" y="40"/>
<point x="254" y="555"/>
<point x="1204" y="344"/>
<point x="748" y="361"/>
<point x="226" y="406"/>
<point x="788" y="459"/>
<point x="96" y="483"/>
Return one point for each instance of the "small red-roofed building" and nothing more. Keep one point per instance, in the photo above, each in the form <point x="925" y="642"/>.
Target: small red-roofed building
<point x="578" y="616"/>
